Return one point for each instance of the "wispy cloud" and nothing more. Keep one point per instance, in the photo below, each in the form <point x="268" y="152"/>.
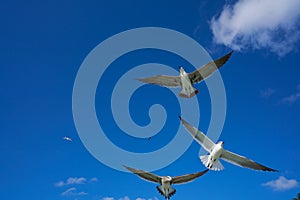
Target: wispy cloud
<point x="293" y="98"/>
<point x="94" y="179"/>
<point x="108" y="198"/>
<point x="267" y="93"/>
<point x="139" y="198"/>
<point x="74" y="181"/>
<point x="257" y="24"/>
<point x="127" y="198"/>
<point x="124" y="198"/>
<point x="73" y="192"/>
<point x="281" y="184"/>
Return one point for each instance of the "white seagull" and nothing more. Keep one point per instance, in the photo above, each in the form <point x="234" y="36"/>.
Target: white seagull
<point x="186" y="80"/>
<point x="165" y="182"/>
<point x="67" y="138"/>
<point x="216" y="151"/>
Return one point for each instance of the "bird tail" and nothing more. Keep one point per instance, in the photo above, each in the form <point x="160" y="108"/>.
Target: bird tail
<point x="185" y="94"/>
<point x="166" y="193"/>
<point x="216" y="166"/>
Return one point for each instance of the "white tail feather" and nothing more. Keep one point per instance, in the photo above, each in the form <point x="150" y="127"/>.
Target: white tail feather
<point x="167" y="193"/>
<point x="217" y="165"/>
<point x="205" y="160"/>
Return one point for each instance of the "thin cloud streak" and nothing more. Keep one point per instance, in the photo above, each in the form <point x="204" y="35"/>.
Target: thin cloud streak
<point x="73" y="192"/>
<point x="127" y="198"/>
<point x="75" y="181"/>
<point x="293" y="98"/>
<point x="108" y="198"/>
<point x="267" y="93"/>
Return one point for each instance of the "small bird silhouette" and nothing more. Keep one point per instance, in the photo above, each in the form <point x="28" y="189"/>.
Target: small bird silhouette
<point x="68" y="139"/>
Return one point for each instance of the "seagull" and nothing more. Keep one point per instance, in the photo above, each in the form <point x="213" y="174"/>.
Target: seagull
<point x="165" y="182"/>
<point x="186" y="80"/>
<point x="216" y="151"/>
<point x="67" y="138"/>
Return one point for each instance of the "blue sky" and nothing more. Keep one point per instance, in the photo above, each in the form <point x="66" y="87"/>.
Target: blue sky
<point x="43" y="45"/>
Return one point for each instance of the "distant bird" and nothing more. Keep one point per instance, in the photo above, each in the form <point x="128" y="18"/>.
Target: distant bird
<point x="67" y="138"/>
<point x="216" y="151"/>
<point x="185" y="80"/>
<point x="165" y="182"/>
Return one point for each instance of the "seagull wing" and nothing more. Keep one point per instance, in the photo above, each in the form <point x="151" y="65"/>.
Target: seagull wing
<point x="166" y="81"/>
<point x="243" y="161"/>
<point x="145" y="175"/>
<point x="187" y="178"/>
<point x="207" y="69"/>
<point x="204" y="141"/>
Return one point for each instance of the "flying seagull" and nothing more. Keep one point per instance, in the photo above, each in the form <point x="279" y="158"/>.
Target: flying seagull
<point x="216" y="151"/>
<point x="165" y="182"/>
<point x="67" y="138"/>
<point x="186" y="80"/>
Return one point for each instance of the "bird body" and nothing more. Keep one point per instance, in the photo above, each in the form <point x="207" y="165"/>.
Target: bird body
<point x="211" y="161"/>
<point x="187" y="89"/>
<point x="165" y="188"/>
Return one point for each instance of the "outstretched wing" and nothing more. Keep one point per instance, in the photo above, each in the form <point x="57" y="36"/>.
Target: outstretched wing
<point x="207" y="69"/>
<point x="243" y="161"/>
<point x="187" y="178"/>
<point x="204" y="141"/>
<point x="145" y="175"/>
<point x="166" y="81"/>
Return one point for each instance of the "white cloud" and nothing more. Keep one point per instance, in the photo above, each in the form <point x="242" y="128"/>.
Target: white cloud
<point x="73" y="192"/>
<point x="259" y="24"/>
<point x="125" y="198"/>
<point x="267" y="92"/>
<point x="59" y="184"/>
<point x="70" y="181"/>
<point x="108" y="198"/>
<point x="281" y="184"/>
<point x="74" y="180"/>
<point x="94" y="179"/>
<point x="293" y="98"/>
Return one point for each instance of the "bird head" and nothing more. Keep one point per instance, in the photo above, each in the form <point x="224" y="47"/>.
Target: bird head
<point x="181" y="69"/>
<point x="221" y="143"/>
<point x="167" y="178"/>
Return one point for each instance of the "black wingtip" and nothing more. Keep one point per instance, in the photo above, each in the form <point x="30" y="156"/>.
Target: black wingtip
<point x="229" y="54"/>
<point x="179" y="117"/>
<point x="267" y="169"/>
<point x="139" y="79"/>
<point x="274" y="170"/>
